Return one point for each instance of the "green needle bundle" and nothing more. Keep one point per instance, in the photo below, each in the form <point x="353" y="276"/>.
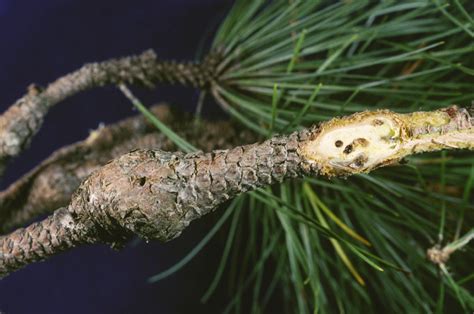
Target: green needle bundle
<point x="356" y="245"/>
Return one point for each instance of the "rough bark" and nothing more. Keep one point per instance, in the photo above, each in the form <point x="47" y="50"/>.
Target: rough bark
<point x="156" y="194"/>
<point x="24" y="118"/>
<point x="40" y="240"/>
<point x="51" y="184"/>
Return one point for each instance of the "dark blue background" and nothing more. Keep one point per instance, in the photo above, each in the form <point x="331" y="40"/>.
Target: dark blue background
<point x="41" y="40"/>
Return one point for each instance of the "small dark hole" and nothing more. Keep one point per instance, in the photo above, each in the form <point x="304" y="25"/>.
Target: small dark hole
<point x="142" y="181"/>
<point x="338" y="143"/>
<point x="348" y="149"/>
<point x="359" y="162"/>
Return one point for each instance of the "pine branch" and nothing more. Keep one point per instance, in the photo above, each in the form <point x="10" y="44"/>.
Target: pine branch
<point x="156" y="194"/>
<point x="280" y="67"/>
<point x="24" y="118"/>
<point x="40" y="240"/>
<point x="51" y="184"/>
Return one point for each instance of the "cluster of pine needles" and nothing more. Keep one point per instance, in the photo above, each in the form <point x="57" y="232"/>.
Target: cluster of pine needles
<point x="355" y="245"/>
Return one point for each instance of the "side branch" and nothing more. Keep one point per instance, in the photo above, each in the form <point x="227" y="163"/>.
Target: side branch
<point x="156" y="194"/>
<point x="24" y="118"/>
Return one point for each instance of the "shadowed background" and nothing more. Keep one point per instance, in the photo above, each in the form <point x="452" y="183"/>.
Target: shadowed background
<point x="43" y="40"/>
